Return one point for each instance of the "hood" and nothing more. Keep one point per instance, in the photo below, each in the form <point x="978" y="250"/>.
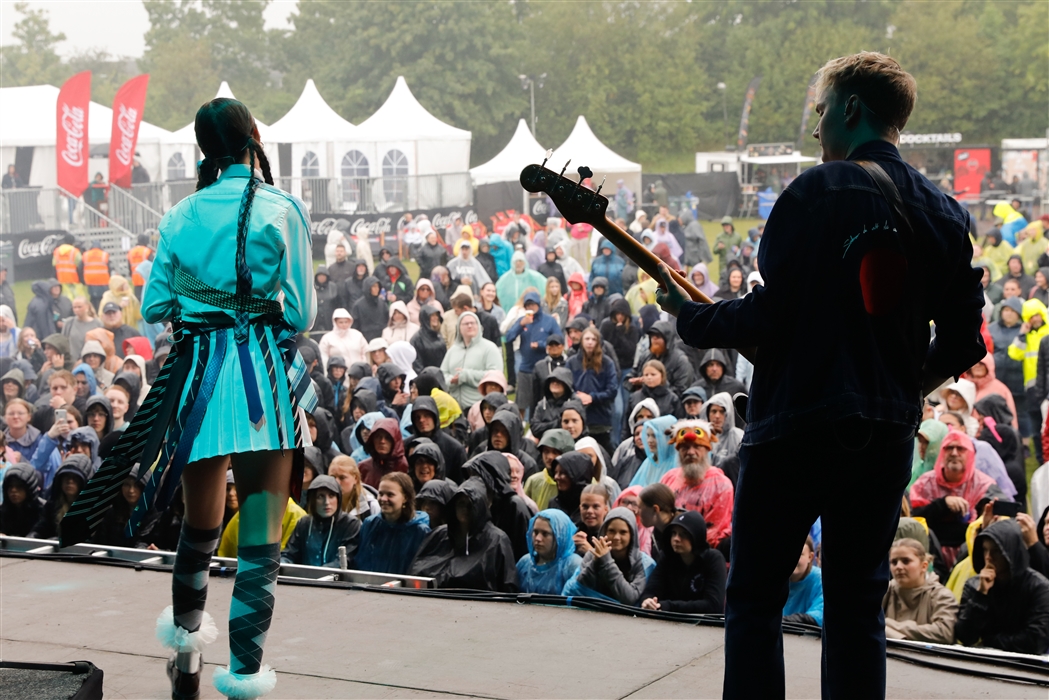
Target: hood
<point x="367" y="285"/>
<point x="558" y="439"/>
<point x="561" y="374"/>
<point x="89" y="373"/>
<point x="494" y="376"/>
<point x="429" y="405"/>
<point x="425" y="312"/>
<point x="562" y="527"/>
<point x="648" y="315"/>
<point x="577" y="466"/>
<point x="403" y="355"/>
<point x="139" y="359"/>
<point x="321" y="270"/>
<point x="390" y="427"/>
<point x="448" y="406"/>
<point x="326" y="428"/>
<point x="25" y="473"/>
<point x="92" y="347"/>
<point x="102" y="401"/>
<point x="665" y="455"/>
<point x="1006" y="534"/>
<point x="967" y="390"/>
<point x="934" y="431"/>
<point x="713" y="355"/>
<point x="61" y="343"/>
<point x="337" y="314"/>
<point x="1031" y="308"/>
<point x="402" y="308"/>
<point x="533" y="297"/>
<point x="473" y="490"/>
<point x="619" y="306"/>
<point x="593" y="445"/>
<point x="518" y="255"/>
<point x="437" y="490"/>
<point x="77" y="465"/>
<point x="494" y="400"/>
<point x="425" y="283"/>
<point x="598" y="282"/>
<point x="954" y="437"/>
<point x="459" y="321"/>
<point x="510" y="419"/>
<point x="323" y="481"/>
<point x="696" y="527"/>
<point x="578" y="278"/>
<point x="359" y="370"/>
<point x="995" y="407"/>
<point x="336" y="361"/>
<point x="605" y="243"/>
<point x="724" y="400"/>
<point x="578" y="407"/>
<point x="429" y="379"/>
<point x="650" y="404"/>
<point x="628" y="517"/>
<point x="17" y="376"/>
<point x="365" y="398"/>
<point x="131" y="382"/>
<point x="42" y="288"/>
<point x="432" y="452"/>
<point x="368" y="420"/>
<point x="103" y="336"/>
<point x="493" y="469"/>
<point x="315" y="459"/>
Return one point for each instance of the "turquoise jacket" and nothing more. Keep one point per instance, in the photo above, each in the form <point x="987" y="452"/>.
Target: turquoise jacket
<point x="199" y="234"/>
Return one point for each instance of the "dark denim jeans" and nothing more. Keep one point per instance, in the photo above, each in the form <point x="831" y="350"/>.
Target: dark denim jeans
<point x="852" y="473"/>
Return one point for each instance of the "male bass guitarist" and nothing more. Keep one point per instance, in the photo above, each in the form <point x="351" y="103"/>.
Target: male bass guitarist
<point x="832" y="415"/>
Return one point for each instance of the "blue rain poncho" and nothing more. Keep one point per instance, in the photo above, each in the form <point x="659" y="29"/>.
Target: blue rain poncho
<point x="663" y="460"/>
<point x="550" y="577"/>
<point x="368" y="421"/>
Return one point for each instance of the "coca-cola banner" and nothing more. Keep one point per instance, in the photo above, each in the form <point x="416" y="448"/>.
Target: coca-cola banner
<point x="71" y="145"/>
<point x="128" y="106"/>
<point x="31" y="254"/>
<point x="384" y="228"/>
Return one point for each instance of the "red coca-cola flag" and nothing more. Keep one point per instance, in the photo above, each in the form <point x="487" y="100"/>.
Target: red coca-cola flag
<point x="128" y="106"/>
<point x="71" y="146"/>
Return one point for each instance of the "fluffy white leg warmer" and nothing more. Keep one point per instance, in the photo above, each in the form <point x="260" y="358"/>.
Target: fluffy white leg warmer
<point x="174" y="637"/>
<point x="240" y="687"/>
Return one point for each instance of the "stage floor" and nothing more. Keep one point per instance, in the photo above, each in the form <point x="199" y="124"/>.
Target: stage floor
<point x="329" y="643"/>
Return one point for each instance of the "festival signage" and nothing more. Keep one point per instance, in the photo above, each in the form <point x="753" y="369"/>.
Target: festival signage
<point x="930" y="139"/>
<point x="382" y="228"/>
<point x="71" y="147"/>
<point x="31" y="253"/>
<point x="970" y="164"/>
<point x="744" y="120"/>
<point x="128" y="106"/>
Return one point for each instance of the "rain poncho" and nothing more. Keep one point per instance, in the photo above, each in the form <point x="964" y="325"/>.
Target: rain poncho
<point x="480" y="559"/>
<point x="1012" y="221"/>
<point x="933" y="485"/>
<point x="606" y="578"/>
<point x="389" y="547"/>
<point x="552" y="576"/>
<point x="353" y="445"/>
<point x="1031" y="247"/>
<point x="642" y="293"/>
<point x="706" y="286"/>
<point x="657" y="463"/>
<point x="1025" y="347"/>
<point x="934" y="431"/>
<point x="512" y="285"/>
<point x="349" y="343"/>
<point x="373" y="468"/>
<point x="89" y="374"/>
<point x="509" y="512"/>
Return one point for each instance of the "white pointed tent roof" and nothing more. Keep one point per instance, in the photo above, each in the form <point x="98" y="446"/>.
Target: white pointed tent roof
<point x="311" y="120"/>
<point x="402" y="118"/>
<point x="28" y="118"/>
<point x="584" y="148"/>
<point x="187" y="135"/>
<point x="522" y="150"/>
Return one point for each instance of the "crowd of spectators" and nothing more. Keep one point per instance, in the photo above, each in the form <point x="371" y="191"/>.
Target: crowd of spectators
<point x="520" y="416"/>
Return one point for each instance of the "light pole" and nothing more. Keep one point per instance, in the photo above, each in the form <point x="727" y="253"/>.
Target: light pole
<point x="529" y="83"/>
<point x="724" y="113"/>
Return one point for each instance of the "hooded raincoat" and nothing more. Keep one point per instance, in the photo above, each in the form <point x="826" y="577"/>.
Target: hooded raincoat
<point x="470" y="363"/>
<point x="390" y="547"/>
<point x="550" y="578"/>
<point x="934" y="431"/>
<point x="580" y="471"/>
<point x="454" y="455"/>
<point x="510" y="513"/>
<point x="478" y="558"/>
<point x="399" y="328"/>
<point x="511" y="285"/>
<point x="371" y="311"/>
<point x="18" y="520"/>
<point x="375" y="467"/>
<point x="541" y="487"/>
<point x="349" y="343"/>
<point x="315" y="541"/>
<point x="662" y="459"/>
<point x="698" y="587"/>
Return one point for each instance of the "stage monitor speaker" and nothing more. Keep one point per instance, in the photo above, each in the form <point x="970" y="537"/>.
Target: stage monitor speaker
<point x="77" y="680"/>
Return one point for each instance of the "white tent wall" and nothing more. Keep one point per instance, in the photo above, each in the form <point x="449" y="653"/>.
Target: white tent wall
<point x="522" y="149"/>
<point x="584" y="148"/>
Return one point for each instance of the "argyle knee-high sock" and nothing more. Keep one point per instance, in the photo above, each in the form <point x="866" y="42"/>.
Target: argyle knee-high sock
<point x="251" y="611"/>
<point x="189" y="582"/>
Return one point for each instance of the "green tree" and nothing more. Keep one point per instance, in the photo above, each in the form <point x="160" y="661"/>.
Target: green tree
<point x="32" y="59"/>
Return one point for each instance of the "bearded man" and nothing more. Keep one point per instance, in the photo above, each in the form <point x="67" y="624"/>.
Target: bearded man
<point x="699" y="486"/>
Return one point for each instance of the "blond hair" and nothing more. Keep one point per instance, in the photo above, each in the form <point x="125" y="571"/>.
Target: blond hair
<point x="888" y="91"/>
<point x="343" y="463"/>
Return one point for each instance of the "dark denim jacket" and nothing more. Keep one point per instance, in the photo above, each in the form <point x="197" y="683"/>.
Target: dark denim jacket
<point x="820" y="355"/>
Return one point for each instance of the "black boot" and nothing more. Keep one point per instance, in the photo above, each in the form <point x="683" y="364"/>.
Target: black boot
<point x="184" y="685"/>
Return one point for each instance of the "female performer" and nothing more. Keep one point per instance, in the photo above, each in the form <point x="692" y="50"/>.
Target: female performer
<point x="233" y="273"/>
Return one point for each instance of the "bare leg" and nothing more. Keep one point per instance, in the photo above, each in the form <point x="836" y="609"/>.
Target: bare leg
<point x="204" y="492"/>
<point x="263" y="489"/>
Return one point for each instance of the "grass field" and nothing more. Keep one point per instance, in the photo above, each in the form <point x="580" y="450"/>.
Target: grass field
<point x="23" y="293"/>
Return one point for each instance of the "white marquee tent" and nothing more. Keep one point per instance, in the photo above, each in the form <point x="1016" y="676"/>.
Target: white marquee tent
<point x="319" y="137"/>
<point x="179" y="151"/>
<point x="522" y="150"/>
<point x="28" y="118"/>
<point x="584" y="148"/>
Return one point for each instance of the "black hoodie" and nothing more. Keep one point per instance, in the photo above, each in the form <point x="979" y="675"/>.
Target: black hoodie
<point x="623" y="340"/>
<point x="1007" y="441"/>
<point x="328" y="299"/>
<point x="452" y="452"/>
<point x="428" y="343"/>
<point x="695" y="588"/>
<point x="509" y="511"/>
<point x="17" y="521"/>
<point x="580" y="471"/>
<point x="726" y="383"/>
<point x="429" y="257"/>
<point x="385" y="374"/>
<point x="429" y="379"/>
<point x="510" y="419"/>
<point x="478" y="441"/>
<point x="598" y="307"/>
<point x="1014" y="614"/>
<point x="679" y="369"/>
<point x="315" y="541"/>
<point x="326" y="431"/>
<point x="370" y="313"/>
<point x="553" y="269"/>
<point x="480" y="558"/>
<point x="353" y="288"/>
<point x="49" y="524"/>
<point x="547" y="413"/>
<point x="440" y="491"/>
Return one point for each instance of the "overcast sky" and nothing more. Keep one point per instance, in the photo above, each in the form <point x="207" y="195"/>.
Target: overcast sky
<point x="118" y="26"/>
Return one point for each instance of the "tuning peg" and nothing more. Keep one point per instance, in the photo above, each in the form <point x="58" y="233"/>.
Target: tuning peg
<point x="601" y="185"/>
<point x="565" y="168"/>
<point x="584" y="173"/>
<point x="546" y="156"/>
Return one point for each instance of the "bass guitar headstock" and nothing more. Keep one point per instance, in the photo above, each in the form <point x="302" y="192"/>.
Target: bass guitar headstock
<point x="575" y="201"/>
